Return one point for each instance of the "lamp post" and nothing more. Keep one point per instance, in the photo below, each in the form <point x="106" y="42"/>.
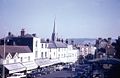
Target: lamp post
<point x="3" y="73"/>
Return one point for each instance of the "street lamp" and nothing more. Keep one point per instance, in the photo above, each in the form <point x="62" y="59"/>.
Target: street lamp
<point x="4" y="59"/>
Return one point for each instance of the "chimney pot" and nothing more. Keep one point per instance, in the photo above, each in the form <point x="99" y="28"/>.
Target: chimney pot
<point x="9" y="33"/>
<point x="22" y="32"/>
<point x="34" y="35"/>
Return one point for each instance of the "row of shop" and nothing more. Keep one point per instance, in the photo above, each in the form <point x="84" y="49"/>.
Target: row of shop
<point x="26" y="67"/>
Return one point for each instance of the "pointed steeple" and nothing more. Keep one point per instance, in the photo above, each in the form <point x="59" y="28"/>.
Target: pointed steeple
<point x="53" y="33"/>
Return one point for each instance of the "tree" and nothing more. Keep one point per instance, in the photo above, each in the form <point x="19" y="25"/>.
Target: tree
<point x="89" y="57"/>
<point x="117" y="47"/>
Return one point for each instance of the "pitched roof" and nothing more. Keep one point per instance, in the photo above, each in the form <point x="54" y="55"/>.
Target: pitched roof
<point x="43" y="41"/>
<point x="13" y="49"/>
<point x="57" y="45"/>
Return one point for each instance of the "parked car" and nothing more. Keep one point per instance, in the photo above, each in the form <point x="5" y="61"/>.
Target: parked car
<point x="59" y="68"/>
<point x="66" y="67"/>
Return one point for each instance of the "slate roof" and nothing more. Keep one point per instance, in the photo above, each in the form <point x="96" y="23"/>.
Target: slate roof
<point x="13" y="49"/>
<point x="57" y="45"/>
<point x="43" y="41"/>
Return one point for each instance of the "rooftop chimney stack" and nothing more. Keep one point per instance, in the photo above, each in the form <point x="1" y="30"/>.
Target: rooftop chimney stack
<point x="66" y="41"/>
<point x="22" y="33"/>
<point x="109" y="40"/>
<point x="47" y="40"/>
<point x="34" y="35"/>
<point x="9" y="34"/>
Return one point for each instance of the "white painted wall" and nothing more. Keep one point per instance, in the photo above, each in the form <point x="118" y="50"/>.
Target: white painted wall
<point x="36" y="47"/>
<point x="63" y="54"/>
<point x="85" y="50"/>
<point x="26" y="57"/>
<point x="44" y="50"/>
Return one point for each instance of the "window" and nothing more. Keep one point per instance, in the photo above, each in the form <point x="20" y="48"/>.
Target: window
<point x="54" y="53"/>
<point x="7" y="61"/>
<point x="50" y="56"/>
<point x="28" y="58"/>
<point x="15" y="60"/>
<point x="45" y="45"/>
<point x="45" y="54"/>
<point x="21" y="59"/>
<point x="36" y="53"/>
<point x="36" y="43"/>
<point x="64" y="49"/>
<point x="42" y="46"/>
<point x="8" y="58"/>
<point x="59" y="56"/>
<point x="59" y="49"/>
<point x="41" y="54"/>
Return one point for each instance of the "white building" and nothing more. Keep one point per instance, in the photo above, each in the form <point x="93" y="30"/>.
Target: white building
<point x="85" y="50"/>
<point x="15" y="57"/>
<point x="27" y="52"/>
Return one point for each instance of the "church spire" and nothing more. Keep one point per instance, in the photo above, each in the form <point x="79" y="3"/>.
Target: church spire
<point x="53" y="33"/>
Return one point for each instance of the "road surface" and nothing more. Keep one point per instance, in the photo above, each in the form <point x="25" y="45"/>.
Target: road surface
<point x="58" y="74"/>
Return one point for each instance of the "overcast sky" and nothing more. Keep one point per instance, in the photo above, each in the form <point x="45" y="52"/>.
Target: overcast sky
<point x="74" y="18"/>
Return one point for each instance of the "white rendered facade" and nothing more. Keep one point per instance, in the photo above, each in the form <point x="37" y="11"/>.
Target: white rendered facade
<point x="85" y="50"/>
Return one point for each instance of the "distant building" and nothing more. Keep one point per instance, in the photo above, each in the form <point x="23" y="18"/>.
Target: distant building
<point x="86" y="49"/>
<point x="104" y="48"/>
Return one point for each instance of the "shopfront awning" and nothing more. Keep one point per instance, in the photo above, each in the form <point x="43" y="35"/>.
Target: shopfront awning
<point x="46" y="62"/>
<point x="15" y="67"/>
<point x="30" y="65"/>
<point x="55" y="61"/>
<point x="42" y="62"/>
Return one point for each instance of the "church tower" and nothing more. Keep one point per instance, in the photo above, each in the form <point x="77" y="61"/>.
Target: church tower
<point x="53" y="33"/>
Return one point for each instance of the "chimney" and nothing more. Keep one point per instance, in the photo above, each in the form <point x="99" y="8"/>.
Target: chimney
<point x="72" y="42"/>
<point x="109" y="40"/>
<point x="9" y="34"/>
<point x="22" y="32"/>
<point x="34" y="35"/>
<point x="47" y="40"/>
<point x="62" y="40"/>
<point x="66" y="41"/>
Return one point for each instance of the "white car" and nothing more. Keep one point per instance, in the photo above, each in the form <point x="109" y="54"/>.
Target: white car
<point x="59" y="68"/>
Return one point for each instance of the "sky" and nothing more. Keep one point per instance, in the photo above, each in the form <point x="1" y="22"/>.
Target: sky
<point x="74" y="18"/>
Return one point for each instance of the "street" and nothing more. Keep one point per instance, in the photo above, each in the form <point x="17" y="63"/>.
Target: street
<point x="58" y="74"/>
